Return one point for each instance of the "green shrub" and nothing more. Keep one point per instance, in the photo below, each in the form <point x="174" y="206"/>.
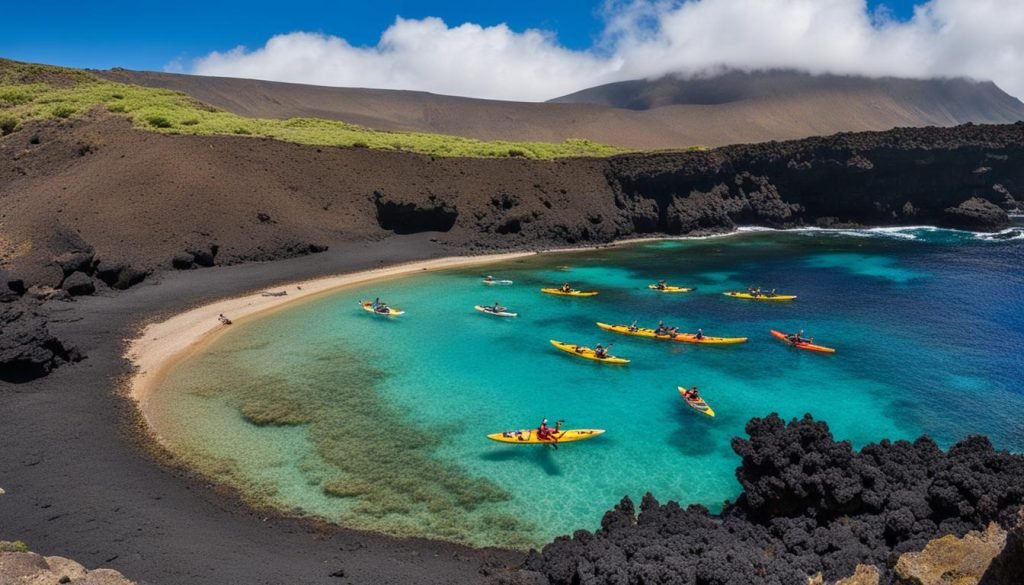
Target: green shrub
<point x="63" y="111"/>
<point x="8" y="124"/>
<point x="158" y="121"/>
<point x="16" y="546"/>
<point x="516" y="152"/>
<point x="117" y="108"/>
<point x="190" y="122"/>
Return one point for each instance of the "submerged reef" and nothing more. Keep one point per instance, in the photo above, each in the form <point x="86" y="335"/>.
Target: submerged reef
<point x="381" y="471"/>
<point x="810" y="505"/>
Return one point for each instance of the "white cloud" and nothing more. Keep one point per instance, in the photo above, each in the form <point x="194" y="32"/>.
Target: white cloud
<point x="982" y="39"/>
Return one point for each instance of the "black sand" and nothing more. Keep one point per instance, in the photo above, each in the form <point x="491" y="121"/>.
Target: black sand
<point x="80" y="483"/>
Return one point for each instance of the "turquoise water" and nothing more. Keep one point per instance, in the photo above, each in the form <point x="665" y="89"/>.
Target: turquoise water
<point x="377" y="423"/>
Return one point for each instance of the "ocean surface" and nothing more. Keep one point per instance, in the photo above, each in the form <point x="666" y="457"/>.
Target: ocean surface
<point x="379" y="423"/>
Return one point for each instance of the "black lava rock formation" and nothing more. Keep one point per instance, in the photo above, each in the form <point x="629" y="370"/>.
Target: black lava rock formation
<point x="809" y="504"/>
<point x="27" y="349"/>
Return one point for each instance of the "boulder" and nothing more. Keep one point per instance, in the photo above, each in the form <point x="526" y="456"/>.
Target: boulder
<point x="75" y="261"/>
<point x="183" y="261"/>
<point x="952" y="561"/>
<point x="27" y="349"/>
<point x="1008" y="567"/>
<point x="62" y="567"/>
<point x="119" y="275"/>
<point x="26" y="568"/>
<point x="78" y="284"/>
<point x="976" y="214"/>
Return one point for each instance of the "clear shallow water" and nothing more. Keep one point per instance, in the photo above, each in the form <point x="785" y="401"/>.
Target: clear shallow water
<point x="379" y="423"/>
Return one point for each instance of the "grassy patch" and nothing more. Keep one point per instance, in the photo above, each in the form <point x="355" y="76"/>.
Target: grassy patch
<point x="39" y="92"/>
<point x="13" y="546"/>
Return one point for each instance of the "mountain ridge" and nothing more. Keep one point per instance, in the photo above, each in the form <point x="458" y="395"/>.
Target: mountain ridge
<point x="759" y="109"/>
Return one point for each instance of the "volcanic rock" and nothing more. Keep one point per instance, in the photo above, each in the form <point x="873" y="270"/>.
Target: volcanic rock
<point x="78" y="284"/>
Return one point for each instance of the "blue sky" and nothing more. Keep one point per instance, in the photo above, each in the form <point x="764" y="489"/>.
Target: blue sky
<point x="144" y="35"/>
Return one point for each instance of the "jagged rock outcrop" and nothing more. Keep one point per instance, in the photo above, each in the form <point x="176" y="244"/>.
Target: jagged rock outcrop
<point x="27" y="349"/>
<point x="976" y="214"/>
<point x="952" y="561"/>
<point x="810" y="505"/>
<point x="28" y="568"/>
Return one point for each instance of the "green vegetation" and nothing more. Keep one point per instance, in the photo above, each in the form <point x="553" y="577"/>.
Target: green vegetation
<point x="15" y="546"/>
<point x="42" y="92"/>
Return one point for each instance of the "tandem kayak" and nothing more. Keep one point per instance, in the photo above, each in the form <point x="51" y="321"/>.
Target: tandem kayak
<point x="760" y="297"/>
<point x="575" y="293"/>
<point x="683" y="337"/>
<point x="529" y="436"/>
<point x="671" y="289"/>
<point x="391" y="312"/>
<point x="491" y="311"/>
<point x="497" y="282"/>
<point x="803" y="344"/>
<point x="697" y="404"/>
<point x="587" y="353"/>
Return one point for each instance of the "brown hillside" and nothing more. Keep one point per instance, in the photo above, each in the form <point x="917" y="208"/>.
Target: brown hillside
<point x="668" y="113"/>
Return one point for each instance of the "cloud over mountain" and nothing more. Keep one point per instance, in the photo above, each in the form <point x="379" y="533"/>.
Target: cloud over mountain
<point x="648" y="38"/>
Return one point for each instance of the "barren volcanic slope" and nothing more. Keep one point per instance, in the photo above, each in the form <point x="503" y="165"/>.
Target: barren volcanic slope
<point x="667" y="113"/>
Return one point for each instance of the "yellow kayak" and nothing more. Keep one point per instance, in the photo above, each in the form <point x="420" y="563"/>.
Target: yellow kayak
<point x="684" y="337"/>
<point x="587" y="353"/>
<point x="368" y="307"/>
<point x="760" y="297"/>
<point x="575" y="293"/>
<point x="697" y="404"/>
<point x="671" y="289"/>
<point x="529" y="436"/>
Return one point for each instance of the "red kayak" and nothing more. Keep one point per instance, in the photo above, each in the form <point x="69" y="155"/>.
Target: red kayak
<point x="803" y="344"/>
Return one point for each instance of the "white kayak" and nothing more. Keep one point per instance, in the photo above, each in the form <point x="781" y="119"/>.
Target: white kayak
<point x="491" y="311"/>
<point x="497" y="282"/>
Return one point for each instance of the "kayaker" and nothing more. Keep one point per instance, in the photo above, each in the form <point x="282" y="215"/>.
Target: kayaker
<point x="661" y="330"/>
<point x="546" y="433"/>
<point x="692" y="393"/>
<point x="771" y="294"/>
<point x="600" y="351"/>
<point x="488" y="278"/>
<point x="797" y="337"/>
<point x="543" y="431"/>
<point x="498" y="308"/>
<point x="632" y="328"/>
<point x="223" y="320"/>
<point x="566" y="288"/>
<point x="579" y="349"/>
<point x="376" y="302"/>
<point x="661" y="285"/>
<point x="700" y="334"/>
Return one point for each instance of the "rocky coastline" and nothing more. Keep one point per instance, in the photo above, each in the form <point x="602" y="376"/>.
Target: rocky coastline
<point x="810" y="505"/>
<point x="79" y="274"/>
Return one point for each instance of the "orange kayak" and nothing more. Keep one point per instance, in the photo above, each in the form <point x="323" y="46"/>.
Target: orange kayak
<point x="803" y="344"/>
